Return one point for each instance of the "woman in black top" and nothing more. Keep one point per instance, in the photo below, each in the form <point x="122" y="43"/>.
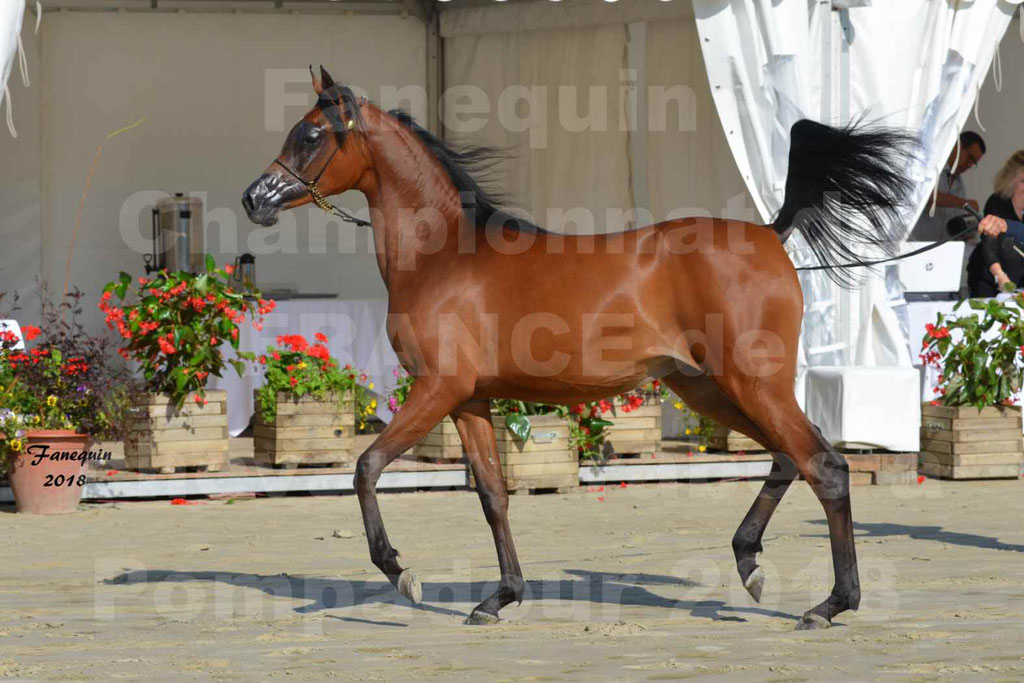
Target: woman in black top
<point x="1000" y="260"/>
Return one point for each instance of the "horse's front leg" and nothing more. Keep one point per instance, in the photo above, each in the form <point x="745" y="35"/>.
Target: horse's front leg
<point x="473" y="420"/>
<point x="426" y="405"/>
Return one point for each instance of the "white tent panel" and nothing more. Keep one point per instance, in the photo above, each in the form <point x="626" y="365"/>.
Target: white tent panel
<point x="918" y="63"/>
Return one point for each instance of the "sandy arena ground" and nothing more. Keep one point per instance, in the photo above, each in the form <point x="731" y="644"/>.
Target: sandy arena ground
<point x="639" y="585"/>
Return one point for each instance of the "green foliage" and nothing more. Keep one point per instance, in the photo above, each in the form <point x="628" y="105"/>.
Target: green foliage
<point x="40" y="388"/>
<point x="296" y="368"/>
<point x="177" y="325"/>
<point x="977" y="353"/>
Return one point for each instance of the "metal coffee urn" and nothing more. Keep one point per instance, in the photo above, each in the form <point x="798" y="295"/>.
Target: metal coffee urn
<point x="178" y="239"/>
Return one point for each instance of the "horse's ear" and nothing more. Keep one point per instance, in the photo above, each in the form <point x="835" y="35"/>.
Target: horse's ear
<point x="317" y="84"/>
<point x="326" y="82"/>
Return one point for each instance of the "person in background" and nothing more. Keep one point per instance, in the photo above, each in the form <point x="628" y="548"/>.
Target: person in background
<point x="952" y="193"/>
<point x="998" y="263"/>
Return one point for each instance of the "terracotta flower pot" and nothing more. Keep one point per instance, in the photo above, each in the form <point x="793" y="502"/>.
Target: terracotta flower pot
<point x="43" y="485"/>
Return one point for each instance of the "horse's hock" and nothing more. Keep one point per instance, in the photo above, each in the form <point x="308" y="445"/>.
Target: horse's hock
<point x="963" y="442"/>
<point x="164" y="438"/>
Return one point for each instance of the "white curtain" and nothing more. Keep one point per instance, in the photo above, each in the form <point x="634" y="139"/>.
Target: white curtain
<point x="11" y="12"/>
<point x="915" y="63"/>
<point x="524" y="87"/>
<point x="690" y="170"/>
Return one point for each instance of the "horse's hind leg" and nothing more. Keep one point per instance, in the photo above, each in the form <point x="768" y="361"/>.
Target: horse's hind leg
<point x="425" y="406"/>
<point x="473" y="420"/>
<point x="701" y="394"/>
<point x="771" y="404"/>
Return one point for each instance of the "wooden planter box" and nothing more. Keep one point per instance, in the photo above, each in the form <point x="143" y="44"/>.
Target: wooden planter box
<point x="963" y="443"/>
<point x="731" y="441"/>
<point x="442" y="444"/>
<point x="306" y="431"/>
<point x="637" y="432"/>
<point x="545" y="461"/>
<point x="162" y="437"/>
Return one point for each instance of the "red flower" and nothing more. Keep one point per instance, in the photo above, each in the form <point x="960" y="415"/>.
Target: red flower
<point x="31" y="332"/>
<point x="293" y="381"/>
<point x="321" y="337"/>
<point x="228" y="268"/>
<point x="167" y="345"/>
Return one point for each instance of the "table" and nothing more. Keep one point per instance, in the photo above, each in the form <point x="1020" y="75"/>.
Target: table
<point x="356" y="334"/>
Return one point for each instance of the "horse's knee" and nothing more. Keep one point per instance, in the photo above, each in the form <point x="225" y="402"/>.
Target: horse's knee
<point x="367" y="473"/>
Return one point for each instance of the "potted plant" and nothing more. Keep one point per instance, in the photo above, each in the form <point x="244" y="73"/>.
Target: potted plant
<point x="972" y="430"/>
<point x="307" y="408"/>
<point x="174" y="331"/>
<point x="635" y="418"/>
<point x="48" y="410"/>
<point x="536" y="446"/>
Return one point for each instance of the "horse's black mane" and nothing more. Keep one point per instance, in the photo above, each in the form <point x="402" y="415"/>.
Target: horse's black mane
<point x="462" y="164"/>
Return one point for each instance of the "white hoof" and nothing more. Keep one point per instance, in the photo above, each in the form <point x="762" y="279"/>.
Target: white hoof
<point x="813" y="622"/>
<point x="409" y="586"/>
<point x="754" y="583"/>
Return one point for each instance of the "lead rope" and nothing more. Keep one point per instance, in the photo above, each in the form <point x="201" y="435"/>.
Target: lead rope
<point x="936" y="245"/>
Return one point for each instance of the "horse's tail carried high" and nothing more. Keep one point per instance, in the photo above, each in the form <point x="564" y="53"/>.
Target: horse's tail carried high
<point x="846" y="188"/>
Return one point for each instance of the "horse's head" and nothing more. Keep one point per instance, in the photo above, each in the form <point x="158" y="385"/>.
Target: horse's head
<point x="320" y="149"/>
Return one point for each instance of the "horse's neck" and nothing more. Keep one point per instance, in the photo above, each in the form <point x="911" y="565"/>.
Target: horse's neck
<point x="415" y="208"/>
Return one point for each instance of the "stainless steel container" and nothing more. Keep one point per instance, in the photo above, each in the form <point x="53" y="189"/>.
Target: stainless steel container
<point x="178" y="238"/>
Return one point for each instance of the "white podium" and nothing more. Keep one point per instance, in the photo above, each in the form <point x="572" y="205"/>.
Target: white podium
<point x="866" y="407"/>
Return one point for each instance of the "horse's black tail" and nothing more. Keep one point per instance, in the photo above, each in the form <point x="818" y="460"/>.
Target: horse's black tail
<point x="845" y="189"/>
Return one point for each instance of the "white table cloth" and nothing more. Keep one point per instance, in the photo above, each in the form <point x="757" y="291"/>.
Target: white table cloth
<point x="872" y="406"/>
<point x="356" y="334"/>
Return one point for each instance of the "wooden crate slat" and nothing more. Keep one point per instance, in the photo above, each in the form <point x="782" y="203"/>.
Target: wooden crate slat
<point x="971" y="435"/>
<point x="984" y="423"/>
<point x="151" y="399"/>
<point x="970" y="412"/>
<point x="959" y="447"/>
<point x="289" y="433"/>
<point x="308" y="420"/>
<point x="166" y="411"/>
<point x="942" y="471"/>
<point x="145" y="424"/>
<point x="972" y="459"/>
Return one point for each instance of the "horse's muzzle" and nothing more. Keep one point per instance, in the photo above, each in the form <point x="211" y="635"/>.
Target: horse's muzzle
<point x="263" y="199"/>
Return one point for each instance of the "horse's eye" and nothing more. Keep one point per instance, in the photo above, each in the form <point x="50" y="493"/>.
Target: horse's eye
<point x="312" y="137"/>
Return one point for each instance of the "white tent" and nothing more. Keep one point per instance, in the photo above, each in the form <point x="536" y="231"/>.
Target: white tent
<point x="11" y="14"/>
<point x="918" y="64"/>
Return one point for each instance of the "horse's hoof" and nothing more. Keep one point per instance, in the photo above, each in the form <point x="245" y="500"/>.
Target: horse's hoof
<point x="754" y="583"/>
<point x="480" y="618"/>
<point x="813" y="622"/>
<point x="409" y="586"/>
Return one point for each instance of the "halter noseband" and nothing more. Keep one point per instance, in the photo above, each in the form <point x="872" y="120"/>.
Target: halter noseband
<point x="314" y="191"/>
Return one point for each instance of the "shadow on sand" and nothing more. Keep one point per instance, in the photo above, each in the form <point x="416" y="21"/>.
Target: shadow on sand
<point x="597" y="588"/>
<point x="928" y="533"/>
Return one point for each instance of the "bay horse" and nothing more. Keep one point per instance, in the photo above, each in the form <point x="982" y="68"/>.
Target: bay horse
<point x="484" y="305"/>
